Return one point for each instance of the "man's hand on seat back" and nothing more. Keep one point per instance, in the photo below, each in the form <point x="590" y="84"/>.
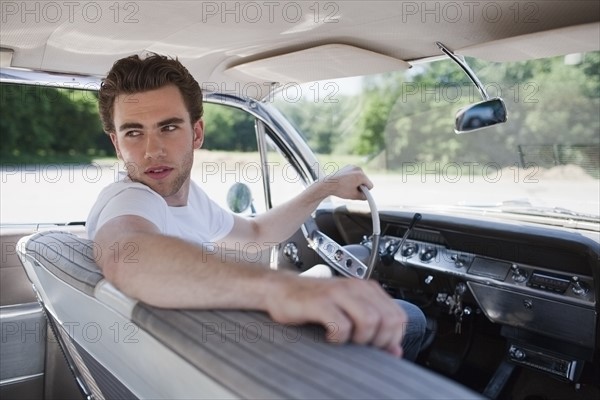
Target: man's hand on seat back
<point x="351" y="310"/>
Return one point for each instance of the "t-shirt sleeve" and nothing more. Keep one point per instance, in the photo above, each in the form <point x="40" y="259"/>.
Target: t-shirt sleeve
<point x="136" y="201"/>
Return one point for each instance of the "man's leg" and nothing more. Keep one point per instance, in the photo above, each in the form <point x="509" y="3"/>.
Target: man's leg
<point x="415" y="330"/>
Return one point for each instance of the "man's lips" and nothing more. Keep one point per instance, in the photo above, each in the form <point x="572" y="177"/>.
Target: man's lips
<point x="159" y="172"/>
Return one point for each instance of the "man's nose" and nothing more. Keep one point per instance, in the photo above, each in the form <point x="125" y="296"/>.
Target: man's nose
<point x="154" y="146"/>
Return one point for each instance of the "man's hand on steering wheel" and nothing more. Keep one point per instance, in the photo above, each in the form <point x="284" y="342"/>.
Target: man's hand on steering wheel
<point x="345" y="183"/>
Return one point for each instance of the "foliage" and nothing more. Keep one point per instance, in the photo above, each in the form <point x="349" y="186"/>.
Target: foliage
<point x="42" y="124"/>
<point x="47" y="125"/>
<point x="227" y="128"/>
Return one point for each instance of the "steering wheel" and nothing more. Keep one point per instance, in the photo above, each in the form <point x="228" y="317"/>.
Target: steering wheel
<point x="336" y="255"/>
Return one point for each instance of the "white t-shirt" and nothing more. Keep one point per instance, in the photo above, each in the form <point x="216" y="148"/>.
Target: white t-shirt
<point x="202" y="221"/>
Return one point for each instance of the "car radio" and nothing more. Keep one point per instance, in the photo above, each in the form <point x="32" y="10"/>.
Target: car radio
<point x="547" y="281"/>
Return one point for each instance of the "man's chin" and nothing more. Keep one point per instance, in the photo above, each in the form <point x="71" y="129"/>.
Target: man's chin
<point x="163" y="188"/>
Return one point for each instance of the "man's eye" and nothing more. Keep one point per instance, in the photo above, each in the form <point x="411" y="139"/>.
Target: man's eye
<point x="132" y="133"/>
<point x="169" y="128"/>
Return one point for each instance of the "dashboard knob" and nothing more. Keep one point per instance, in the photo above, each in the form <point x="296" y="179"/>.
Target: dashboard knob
<point x="459" y="260"/>
<point x="409" y="249"/>
<point x="428" y="254"/>
<point x="518" y="274"/>
<point x="579" y="288"/>
<point x="338" y="255"/>
<point x="517" y="353"/>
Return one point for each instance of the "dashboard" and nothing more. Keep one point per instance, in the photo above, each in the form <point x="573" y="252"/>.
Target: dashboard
<point x="539" y="283"/>
<point x="513" y="293"/>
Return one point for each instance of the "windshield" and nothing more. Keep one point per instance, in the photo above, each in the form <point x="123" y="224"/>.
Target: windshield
<point x="400" y="128"/>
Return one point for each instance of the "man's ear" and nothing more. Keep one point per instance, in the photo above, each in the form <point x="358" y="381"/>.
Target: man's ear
<point x="115" y="142"/>
<point x="198" y="133"/>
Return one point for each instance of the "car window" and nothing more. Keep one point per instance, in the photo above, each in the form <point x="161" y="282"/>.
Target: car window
<point x="55" y="158"/>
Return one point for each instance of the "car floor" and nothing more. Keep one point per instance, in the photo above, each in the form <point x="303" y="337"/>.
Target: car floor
<point x="473" y="356"/>
<point x="533" y="385"/>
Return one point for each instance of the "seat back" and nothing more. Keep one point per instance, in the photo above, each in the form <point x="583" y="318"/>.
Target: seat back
<point x="121" y="348"/>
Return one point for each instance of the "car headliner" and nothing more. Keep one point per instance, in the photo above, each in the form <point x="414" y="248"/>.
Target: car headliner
<point x="259" y="43"/>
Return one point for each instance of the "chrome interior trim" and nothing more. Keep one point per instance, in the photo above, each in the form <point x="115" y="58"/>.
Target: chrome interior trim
<point x="20" y="379"/>
<point x="43" y="78"/>
<point x="460" y="61"/>
<point x="118" y="301"/>
<point x="262" y="150"/>
<point x="20" y="310"/>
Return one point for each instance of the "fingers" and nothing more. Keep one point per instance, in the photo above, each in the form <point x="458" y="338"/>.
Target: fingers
<point x="346" y="182"/>
<point x="349" y="309"/>
<point x="377" y="320"/>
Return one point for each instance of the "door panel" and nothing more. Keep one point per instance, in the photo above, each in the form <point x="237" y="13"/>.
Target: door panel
<point x="23" y="349"/>
<point x="15" y="288"/>
<point x="31" y="363"/>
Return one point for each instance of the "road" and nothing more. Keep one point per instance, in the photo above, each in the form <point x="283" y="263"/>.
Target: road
<point x="52" y="193"/>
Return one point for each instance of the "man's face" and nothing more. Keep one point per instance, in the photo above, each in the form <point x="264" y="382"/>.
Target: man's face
<point x="156" y="140"/>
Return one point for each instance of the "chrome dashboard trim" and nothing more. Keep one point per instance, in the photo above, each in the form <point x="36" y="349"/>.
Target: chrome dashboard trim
<point x="443" y="263"/>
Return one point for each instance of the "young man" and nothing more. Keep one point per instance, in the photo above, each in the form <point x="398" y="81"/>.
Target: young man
<point x="152" y="108"/>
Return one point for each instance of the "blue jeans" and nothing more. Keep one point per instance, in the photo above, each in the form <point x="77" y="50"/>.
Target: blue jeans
<point x="415" y="330"/>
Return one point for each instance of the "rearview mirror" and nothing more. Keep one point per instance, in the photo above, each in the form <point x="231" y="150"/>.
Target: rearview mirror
<point x="480" y="115"/>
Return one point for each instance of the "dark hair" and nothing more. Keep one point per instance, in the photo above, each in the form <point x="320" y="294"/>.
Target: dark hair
<point x="133" y="75"/>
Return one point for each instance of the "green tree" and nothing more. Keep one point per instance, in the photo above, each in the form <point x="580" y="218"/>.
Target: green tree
<point x="409" y="116"/>
<point x="227" y="128"/>
<point x="42" y="124"/>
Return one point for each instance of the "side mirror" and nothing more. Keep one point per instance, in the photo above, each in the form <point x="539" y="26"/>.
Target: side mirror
<point x="239" y="198"/>
<point x="480" y="115"/>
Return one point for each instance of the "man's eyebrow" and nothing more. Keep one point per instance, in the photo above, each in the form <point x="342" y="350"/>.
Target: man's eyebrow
<point x="137" y="125"/>
<point x="170" y="121"/>
<point x="130" y="125"/>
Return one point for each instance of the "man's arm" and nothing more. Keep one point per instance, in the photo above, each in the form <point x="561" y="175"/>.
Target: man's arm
<point x="279" y="223"/>
<point x="168" y="272"/>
